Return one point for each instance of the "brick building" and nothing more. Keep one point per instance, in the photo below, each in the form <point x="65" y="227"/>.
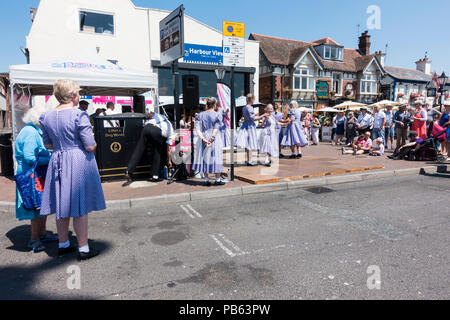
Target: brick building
<point x="320" y="73"/>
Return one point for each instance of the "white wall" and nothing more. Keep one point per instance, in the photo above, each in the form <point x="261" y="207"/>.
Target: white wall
<point x="55" y="34"/>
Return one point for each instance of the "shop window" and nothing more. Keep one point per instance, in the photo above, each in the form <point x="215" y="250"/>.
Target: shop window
<point x="100" y="23"/>
<point x="207" y="82"/>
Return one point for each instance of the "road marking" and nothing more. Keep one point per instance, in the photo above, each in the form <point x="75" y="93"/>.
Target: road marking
<point x="187" y="211"/>
<point x="239" y="252"/>
<point x="194" y="211"/>
<point x="222" y="246"/>
<point x="358" y="220"/>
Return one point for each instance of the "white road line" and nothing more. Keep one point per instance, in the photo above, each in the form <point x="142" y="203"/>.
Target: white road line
<point x="239" y="252"/>
<point x="194" y="211"/>
<point x="222" y="246"/>
<point x="187" y="211"/>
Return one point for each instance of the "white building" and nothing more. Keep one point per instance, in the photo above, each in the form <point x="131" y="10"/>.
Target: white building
<point x="129" y="36"/>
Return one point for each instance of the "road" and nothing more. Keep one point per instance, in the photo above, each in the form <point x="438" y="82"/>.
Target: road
<point x="392" y="234"/>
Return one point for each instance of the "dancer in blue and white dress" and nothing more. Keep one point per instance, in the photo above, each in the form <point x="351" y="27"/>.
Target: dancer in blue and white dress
<point x="279" y="118"/>
<point x="268" y="141"/>
<point x="211" y="158"/>
<point x="294" y="136"/>
<point x="246" y="137"/>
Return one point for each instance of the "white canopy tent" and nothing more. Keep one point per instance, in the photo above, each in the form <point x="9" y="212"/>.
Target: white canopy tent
<point x="95" y="75"/>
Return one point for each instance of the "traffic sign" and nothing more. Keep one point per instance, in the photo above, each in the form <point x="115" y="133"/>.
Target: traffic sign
<point x="234" y="29"/>
<point x="233" y="44"/>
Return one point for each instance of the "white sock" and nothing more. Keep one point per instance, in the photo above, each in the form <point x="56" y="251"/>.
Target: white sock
<point x="267" y="159"/>
<point x="64" y="245"/>
<point x="156" y="177"/>
<point x="218" y="179"/>
<point x="206" y="179"/>
<point x="84" y="249"/>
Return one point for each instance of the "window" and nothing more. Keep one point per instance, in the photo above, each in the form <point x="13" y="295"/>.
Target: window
<point x="369" y="84"/>
<point x="337" y="83"/>
<point x="100" y="23"/>
<point x="277" y="70"/>
<point x="304" y="80"/>
<point x="333" y="53"/>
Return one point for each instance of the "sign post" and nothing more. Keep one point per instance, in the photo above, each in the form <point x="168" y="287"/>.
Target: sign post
<point x="233" y="56"/>
<point x="171" y="30"/>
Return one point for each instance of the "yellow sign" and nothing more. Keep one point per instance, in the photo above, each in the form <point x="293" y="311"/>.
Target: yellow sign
<point x="116" y="147"/>
<point x="234" y="29"/>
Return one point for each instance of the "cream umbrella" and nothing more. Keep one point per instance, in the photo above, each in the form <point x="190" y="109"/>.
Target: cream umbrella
<point x="328" y="110"/>
<point x="349" y="104"/>
<point x="384" y="103"/>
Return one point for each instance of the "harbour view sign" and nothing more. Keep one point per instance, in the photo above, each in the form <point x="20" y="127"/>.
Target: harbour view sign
<point x="322" y="90"/>
<point x="171" y="30"/>
<point x="195" y="53"/>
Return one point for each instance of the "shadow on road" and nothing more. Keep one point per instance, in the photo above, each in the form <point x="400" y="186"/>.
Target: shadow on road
<point x="17" y="282"/>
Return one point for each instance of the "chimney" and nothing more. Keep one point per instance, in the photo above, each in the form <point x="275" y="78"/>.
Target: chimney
<point x="424" y="65"/>
<point x="381" y="57"/>
<point x="364" y="43"/>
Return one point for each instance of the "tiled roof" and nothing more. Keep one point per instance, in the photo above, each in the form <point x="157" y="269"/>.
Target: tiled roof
<point x="326" y="40"/>
<point x="287" y="52"/>
<point x="408" y="74"/>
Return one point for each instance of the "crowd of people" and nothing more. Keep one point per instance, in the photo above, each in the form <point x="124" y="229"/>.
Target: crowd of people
<point x="61" y="140"/>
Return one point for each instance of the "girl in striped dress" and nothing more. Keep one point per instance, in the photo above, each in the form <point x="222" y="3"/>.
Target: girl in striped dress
<point x="294" y="136"/>
<point x="268" y="141"/>
<point x="211" y="158"/>
<point x="246" y="136"/>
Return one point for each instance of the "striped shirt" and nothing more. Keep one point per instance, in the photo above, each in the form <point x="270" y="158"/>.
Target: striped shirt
<point x="160" y="121"/>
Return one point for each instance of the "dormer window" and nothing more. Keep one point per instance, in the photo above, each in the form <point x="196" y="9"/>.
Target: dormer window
<point x="333" y="52"/>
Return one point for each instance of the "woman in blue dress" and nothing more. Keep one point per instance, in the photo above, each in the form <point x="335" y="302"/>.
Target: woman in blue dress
<point x="341" y="123"/>
<point x="210" y="160"/>
<point x="279" y="117"/>
<point x="29" y="149"/>
<point x="294" y="136"/>
<point x="72" y="186"/>
<point x="246" y="137"/>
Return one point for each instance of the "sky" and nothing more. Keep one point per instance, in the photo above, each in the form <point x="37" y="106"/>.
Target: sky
<point x="409" y="27"/>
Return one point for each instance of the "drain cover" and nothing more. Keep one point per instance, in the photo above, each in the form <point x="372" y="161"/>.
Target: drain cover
<point x="319" y="190"/>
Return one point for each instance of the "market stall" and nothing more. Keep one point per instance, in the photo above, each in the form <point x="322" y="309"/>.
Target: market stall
<point x="95" y="75"/>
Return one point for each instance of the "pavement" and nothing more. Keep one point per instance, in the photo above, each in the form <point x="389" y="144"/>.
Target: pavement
<point x="318" y="161"/>
<point x="385" y="238"/>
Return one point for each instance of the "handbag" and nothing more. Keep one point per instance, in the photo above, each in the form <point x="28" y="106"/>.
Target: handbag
<point x="30" y="185"/>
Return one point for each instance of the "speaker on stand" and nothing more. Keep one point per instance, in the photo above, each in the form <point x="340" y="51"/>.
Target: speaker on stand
<point x="139" y="104"/>
<point x="191" y="99"/>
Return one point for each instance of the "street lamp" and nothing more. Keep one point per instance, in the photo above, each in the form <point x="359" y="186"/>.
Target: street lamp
<point x="220" y="73"/>
<point x="442" y="82"/>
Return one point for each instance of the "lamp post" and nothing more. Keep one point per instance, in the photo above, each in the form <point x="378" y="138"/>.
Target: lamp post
<point x="442" y="81"/>
<point x="220" y="73"/>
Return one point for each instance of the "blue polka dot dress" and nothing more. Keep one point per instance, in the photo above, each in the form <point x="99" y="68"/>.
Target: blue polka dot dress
<point x="72" y="186"/>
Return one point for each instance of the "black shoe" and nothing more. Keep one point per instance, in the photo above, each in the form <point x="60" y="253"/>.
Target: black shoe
<point x="299" y="156"/>
<point x="128" y="177"/>
<point x="282" y="156"/>
<point x="85" y="256"/>
<point x="251" y="164"/>
<point x="155" y="180"/>
<point x="64" y="251"/>
<point x="219" y="183"/>
<point x="293" y="157"/>
<point x="208" y="183"/>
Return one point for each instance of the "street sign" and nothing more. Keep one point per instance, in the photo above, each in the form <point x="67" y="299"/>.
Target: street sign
<point x="233" y="29"/>
<point x="171" y="30"/>
<point x="233" y="44"/>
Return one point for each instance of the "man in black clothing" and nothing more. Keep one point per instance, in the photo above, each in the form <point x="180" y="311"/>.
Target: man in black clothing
<point x="158" y="132"/>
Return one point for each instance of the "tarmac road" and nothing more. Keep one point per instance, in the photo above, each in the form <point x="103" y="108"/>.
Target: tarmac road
<point x="302" y="244"/>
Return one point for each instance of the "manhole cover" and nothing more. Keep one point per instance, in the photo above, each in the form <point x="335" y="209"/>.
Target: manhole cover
<point x="319" y="190"/>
